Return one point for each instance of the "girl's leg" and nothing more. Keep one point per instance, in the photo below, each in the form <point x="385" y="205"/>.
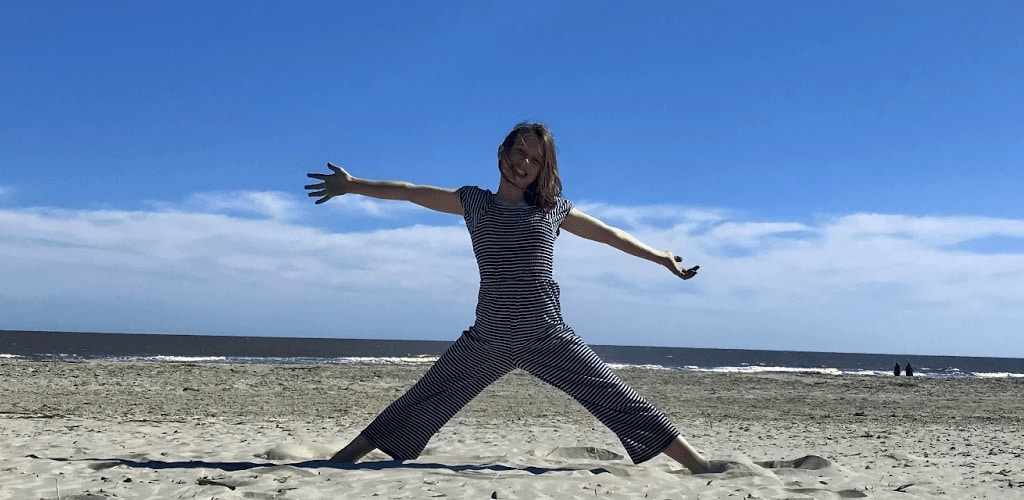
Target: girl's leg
<point x="563" y="360"/>
<point x="403" y="429"/>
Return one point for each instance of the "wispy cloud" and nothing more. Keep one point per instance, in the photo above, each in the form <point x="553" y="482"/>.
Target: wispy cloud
<point x="360" y="205"/>
<point x="273" y="205"/>
<point x="248" y="262"/>
<point x="654" y="215"/>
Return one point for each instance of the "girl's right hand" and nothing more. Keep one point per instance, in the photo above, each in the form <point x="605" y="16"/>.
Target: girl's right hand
<point x="335" y="184"/>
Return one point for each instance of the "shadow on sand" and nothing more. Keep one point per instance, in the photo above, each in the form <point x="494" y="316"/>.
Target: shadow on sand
<point x="107" y="463"/>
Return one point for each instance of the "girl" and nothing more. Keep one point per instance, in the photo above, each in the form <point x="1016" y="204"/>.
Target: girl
<point x="518" y="316"/>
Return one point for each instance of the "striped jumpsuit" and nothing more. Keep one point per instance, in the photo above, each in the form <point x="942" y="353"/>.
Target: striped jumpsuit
<point x="518" y="325"/>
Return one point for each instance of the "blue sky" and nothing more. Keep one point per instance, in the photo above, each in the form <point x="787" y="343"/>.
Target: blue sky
<point x="847" y="174"/>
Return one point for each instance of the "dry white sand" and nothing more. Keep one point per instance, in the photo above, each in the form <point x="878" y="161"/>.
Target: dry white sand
<point x="78" y="431"/>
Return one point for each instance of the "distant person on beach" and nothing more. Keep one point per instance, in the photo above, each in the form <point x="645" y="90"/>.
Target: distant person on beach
<point x="518" y="316"/>
<point x="909" y="370"/>
<point x="896" y="370"/>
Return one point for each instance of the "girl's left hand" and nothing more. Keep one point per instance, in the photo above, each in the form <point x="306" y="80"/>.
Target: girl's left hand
<point x="674" y="265"/>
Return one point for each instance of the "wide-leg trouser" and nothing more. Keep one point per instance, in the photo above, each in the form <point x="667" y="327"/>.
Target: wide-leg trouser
<point x="558" y="357"/>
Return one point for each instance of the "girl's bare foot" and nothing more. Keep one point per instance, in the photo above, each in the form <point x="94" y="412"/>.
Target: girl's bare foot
<point x="355" y="450"/>
<point x="682" y="452"/>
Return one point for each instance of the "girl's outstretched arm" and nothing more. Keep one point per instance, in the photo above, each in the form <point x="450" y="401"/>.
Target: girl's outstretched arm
<point x="340" y="183"/>
<point x="591" y="228"/>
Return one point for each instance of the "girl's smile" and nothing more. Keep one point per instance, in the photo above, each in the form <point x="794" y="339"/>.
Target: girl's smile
<point x="523" y="162"/>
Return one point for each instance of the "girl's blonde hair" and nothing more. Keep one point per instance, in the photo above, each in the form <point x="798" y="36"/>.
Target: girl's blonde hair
<point x="548" y="186"/>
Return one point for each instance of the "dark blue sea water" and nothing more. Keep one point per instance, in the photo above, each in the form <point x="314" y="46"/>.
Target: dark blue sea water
<point x="70" y="346"/>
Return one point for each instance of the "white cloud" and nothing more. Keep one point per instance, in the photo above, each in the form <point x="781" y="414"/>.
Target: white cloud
<point x="245" y="263"/>
<point x="373" y="208"/>
<point x="928" y="230"/>
<point x="653" y="215"/>
<point x="269" y="204"/>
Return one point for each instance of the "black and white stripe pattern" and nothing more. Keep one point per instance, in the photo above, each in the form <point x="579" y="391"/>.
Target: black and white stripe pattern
<point x="519" y="325"/>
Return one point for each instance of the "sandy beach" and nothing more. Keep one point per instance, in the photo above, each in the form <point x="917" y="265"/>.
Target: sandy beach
<point x="119" y="430"/>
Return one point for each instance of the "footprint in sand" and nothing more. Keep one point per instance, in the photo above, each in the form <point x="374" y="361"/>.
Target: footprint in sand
<point x="296" y="451"/>
<point x="810" y="462"/>
<point x="815" y="491"/>
<point x="746" y="468"/>
<point x="582" y="452"/>
<point x="733" y="469"/>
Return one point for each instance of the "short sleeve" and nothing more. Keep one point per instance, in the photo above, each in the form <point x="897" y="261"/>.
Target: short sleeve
<point x="473" y="200"/>
<point x="560" y="212"/>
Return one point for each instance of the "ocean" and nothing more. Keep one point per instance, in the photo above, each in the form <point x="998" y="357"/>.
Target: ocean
<point x="76" y="346"/>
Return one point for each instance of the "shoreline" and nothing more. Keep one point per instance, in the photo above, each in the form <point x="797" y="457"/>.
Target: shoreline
<point x="72" y="346"/>
<point x="86" y="421"/>
<point x="427" y="359"/>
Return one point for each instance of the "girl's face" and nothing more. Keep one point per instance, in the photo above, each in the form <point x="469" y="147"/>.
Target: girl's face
<point x="523" y="161"/>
